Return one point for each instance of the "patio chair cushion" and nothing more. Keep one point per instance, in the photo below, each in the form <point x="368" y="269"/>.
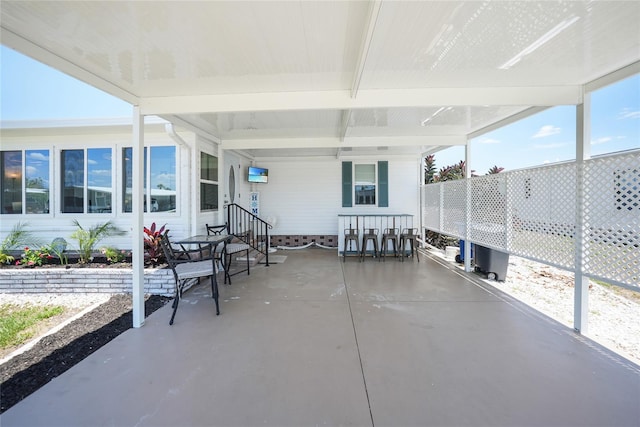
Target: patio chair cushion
<point x="194" y="269"/>
<point x="233" y="248"/>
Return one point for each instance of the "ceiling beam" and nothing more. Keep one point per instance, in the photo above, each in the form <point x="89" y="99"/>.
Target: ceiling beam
<point x="341" y="99"/>
<point x="374" y="9"/>
<point x="344" y="125"/>
<point x="336" y="142"/>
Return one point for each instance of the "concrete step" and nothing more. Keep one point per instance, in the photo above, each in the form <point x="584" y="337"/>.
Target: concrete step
<point x="254" y="257"/>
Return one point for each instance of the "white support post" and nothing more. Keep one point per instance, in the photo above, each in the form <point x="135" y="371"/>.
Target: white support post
<point x="467" y="175"/>
<point x="583" y="152"/>
<point x="137" y="246"/>
<point x="223" y="185"/>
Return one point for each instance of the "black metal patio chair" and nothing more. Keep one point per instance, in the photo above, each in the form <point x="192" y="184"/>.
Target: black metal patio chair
<point x="188" y="271"/>
<point x="232" y="247"/>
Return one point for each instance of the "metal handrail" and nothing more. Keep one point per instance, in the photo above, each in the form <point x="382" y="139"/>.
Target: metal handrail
<point x="249" y="228"/>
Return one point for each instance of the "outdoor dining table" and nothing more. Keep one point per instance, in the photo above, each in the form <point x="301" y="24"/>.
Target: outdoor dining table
<point x="211" y="241"/>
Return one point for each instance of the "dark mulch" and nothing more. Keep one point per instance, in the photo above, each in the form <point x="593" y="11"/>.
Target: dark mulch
<point x="56" y="353"/>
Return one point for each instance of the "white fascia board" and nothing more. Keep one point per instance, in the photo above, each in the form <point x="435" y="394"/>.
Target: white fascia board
<point x="26" y="47"/>
<point x="78" y="123"/>
<point x="335" y="142"/>
<point x="179" y="121"/>
<point x="341" y="99"/>
<point x="507" y="121"/>
<point x="614" y="77"/>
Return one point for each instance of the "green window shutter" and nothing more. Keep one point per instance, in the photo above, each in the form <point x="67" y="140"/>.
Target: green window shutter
<point x="347" y="192"/>
<point x="383" y="184"/>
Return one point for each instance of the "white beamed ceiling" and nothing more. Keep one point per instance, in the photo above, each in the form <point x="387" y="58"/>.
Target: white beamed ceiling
<point x="310" y="78"/>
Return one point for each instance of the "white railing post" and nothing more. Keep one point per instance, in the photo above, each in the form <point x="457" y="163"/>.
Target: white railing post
<point x="467" y="215"/>
<point x="583" y="152"/>
<point x="138" y="217"/>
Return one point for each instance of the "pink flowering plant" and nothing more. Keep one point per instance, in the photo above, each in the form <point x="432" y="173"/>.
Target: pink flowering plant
<point x="152" y="237"/>
<point x="32" y="257"/>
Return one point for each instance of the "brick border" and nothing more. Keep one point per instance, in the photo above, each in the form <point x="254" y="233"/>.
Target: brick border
<point x="304" y="239"/>
<point x="84" y="280"/>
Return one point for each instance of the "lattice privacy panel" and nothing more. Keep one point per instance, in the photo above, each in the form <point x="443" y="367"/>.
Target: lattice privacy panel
<point x="454" y="202"/>
<point x="431" y="206"/>
<point x="611" y="224"/>
<point x="542" y="206"/>
<point x="533" y="213"/>
<point x="488" y="220"/>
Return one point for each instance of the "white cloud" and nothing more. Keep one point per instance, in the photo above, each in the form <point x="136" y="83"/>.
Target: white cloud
<point x="547" y="162"/>
<point x="602" y="140"/>
<point x="32" y="171"/>
<point x="547" y="130"/>
<point x="489" y="141"/>
<point x="549" y="146"/>
<point x="627" y="113"/>
<point x="38" y="156"/>
<point x="101" y="172"/>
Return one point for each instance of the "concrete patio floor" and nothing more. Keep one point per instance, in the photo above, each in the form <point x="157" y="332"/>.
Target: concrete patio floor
<point x="318" y="342"/>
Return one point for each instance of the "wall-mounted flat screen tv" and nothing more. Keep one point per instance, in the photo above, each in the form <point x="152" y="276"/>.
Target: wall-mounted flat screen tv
<point x="256" y="174"/>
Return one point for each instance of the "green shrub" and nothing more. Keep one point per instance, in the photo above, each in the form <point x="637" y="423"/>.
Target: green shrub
<point x="114" y="255"/>
<point x="17" y="237"/>
<point x="33" y="257"/>
<point x="58" y="247"/>
<point x="88" y="238"/>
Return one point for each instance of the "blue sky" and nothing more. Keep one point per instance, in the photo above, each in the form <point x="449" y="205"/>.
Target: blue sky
<point x="30" y="90"/>
<point x="549" y="136"/>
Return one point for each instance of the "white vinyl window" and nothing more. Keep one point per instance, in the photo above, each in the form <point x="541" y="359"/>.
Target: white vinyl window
<point x="208" y="182"/>
<point x="364" y="178"/>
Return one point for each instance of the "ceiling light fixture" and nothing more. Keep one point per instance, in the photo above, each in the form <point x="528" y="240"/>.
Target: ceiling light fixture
<point x="538" y="43"/>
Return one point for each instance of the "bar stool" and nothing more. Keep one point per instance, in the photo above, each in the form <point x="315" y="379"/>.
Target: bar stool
<point x="350" y="235"/>
<point x="409" y="235"/>
<point x="370" y="234"/>
<point x="389" y="235"/>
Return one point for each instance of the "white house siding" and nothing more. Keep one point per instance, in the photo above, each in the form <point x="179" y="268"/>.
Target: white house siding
<point x="56" y="224"/>
<point x="198" y="219"/>
<point x="305" y="197"/>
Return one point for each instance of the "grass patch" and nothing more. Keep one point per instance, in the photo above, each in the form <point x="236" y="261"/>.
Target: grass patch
<point x="619" y="290"/>
<point x="17" y="322"/>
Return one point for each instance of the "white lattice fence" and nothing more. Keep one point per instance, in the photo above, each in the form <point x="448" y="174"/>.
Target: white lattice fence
<point x="611" y="225"/>
<point x="488" y="220"/>
<point x="454" y="202"/>
<point x="533" y="213"/>
<point x="431" y="206"/>
<point x="542" y="204"/>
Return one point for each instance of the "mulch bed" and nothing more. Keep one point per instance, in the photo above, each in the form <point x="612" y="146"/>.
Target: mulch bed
<point x="55" y="354"/>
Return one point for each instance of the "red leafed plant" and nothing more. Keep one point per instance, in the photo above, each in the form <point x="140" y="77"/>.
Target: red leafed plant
<point x="152" y="247"/>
